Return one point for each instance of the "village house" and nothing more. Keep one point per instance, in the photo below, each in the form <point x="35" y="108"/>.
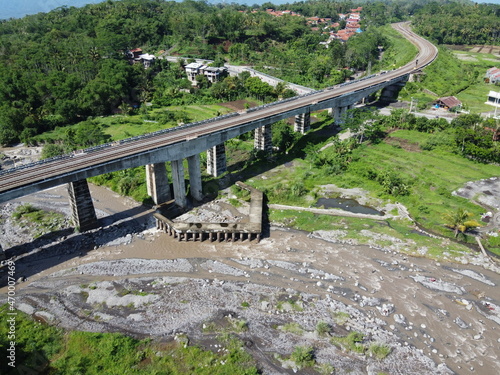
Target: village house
<point x="493" y="98"/>
<point x="146" y="59"/>
<point x="136" y="55"/>
<point x="213" y="74"/>
<point x="448" y="102"/>
<point x="279" y="13"/>
<point x="492" y="76"/>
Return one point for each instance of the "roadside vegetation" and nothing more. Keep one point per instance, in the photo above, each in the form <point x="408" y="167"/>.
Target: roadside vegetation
<point x="46" y="349"/>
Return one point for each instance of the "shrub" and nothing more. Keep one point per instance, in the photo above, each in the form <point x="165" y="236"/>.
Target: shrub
<point x="292" y="327"/>
<point x="23" y="210"/>
<point x="303" y="356"/>
<point x="323" y="328"/>
<point x="379" y="351"/>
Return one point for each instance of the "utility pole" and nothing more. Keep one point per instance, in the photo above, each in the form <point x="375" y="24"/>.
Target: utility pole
<point x="411" y="105"/>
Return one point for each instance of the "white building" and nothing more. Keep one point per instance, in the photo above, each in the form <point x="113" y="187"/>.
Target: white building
<point x="194" y="69"/>
<point x="493" y="99"/>
<point x="147" y="59"/>
<point x="213" y="74"/>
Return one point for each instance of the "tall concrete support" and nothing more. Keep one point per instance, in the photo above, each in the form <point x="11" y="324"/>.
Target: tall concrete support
<point x="82" y="208"/>
<point x="2" y="253"/>
<point x="179" y="183"/>
<point x="157" y="183"/>
<point x="302" y="122"/>
<point x="216" y="160"/>
<point x="390" y="93"/>
<point x="338" y="114"/>
<point x="195" y="177"/>
<point x="263" y="139"/>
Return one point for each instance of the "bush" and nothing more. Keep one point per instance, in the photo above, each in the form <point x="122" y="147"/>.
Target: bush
<point x="23" y="210"/>
<point x="323" y="328"/>
<point x="303" y="356"/>
<point x="379" y="351"/>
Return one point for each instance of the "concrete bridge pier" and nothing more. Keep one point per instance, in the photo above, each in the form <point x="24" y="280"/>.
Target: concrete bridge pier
<point x="390" y="93"/>
<point x="2" y="253"/>
<point x="179" y="183"/>
<point x="263" y="138"/>
<point x="302" y="122"/>
<point x="339" y="113"/>
<point x="82" y="208"/>
<point x="194" y="170"/>
<point x="157" y="183"/>
<point x="216" y="160"/>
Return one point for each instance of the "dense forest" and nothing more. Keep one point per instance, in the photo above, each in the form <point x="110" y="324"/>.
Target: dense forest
<point x="459" y="24"/>
<point x="70" y="64"/>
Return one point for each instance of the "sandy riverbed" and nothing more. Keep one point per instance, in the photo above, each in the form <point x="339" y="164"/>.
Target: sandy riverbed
<point x="437" y="318"/>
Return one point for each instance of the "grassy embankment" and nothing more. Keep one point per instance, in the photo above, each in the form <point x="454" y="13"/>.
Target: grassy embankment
<point x="41" y="348"/>
<point x="431" y="177"/>
<point x="126" y="126"/>
<point x="132" y="181"/>
<point x="455" y="72"/>
<point x="399" y="52"/>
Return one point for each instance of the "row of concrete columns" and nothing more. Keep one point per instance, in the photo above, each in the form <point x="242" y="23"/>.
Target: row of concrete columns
<point x="158" y="185"/>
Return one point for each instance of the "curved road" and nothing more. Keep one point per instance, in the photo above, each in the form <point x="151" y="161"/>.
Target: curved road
<point x="10" y="180"/>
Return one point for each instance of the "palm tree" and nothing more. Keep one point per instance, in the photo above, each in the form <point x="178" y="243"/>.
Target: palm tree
<point x="460" y="221"/>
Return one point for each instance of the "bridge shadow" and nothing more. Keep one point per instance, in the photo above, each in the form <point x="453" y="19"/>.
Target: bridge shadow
<point x="60" y="246"/>
<point x="246" y="169"/>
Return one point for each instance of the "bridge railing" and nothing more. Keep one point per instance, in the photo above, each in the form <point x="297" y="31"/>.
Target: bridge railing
<point x="176" y="128"/>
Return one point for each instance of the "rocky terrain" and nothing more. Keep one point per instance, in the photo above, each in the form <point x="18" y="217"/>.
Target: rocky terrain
<point x="433" y="317"/>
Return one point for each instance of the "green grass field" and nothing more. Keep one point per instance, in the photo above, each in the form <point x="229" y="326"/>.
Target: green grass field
<point x="399" y="53"/>
<point x="41" y="348"/>
<point x="124" y="126"/>
<point x="432" y="176"/>
<point x="474" y="96"/>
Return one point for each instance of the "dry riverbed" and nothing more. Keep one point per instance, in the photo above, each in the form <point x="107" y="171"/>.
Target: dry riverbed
<point x="436" y="318"/>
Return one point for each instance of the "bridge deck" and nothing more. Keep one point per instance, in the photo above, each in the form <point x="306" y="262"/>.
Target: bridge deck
<point x="44" y="174"/>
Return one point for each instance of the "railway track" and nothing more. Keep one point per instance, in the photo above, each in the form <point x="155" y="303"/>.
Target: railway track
<point x="89" y="158"/>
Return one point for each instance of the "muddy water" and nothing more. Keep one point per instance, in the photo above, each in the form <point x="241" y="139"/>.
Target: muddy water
<point x="451" y="312"/>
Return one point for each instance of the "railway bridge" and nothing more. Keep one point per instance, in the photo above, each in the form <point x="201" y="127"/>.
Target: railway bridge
<point x="188" y="141"/>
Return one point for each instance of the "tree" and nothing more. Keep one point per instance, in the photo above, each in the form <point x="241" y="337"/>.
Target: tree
<point x="459" y="221"/>
<point x="359" y="120"/>
<point x="283" y="135"/>
<point x="50" y="150"/>
<point x="257" y="88"/>
<point x="202" y="81"/>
